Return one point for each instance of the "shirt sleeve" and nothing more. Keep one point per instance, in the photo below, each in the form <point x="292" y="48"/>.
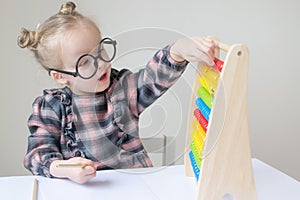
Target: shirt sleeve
<point x="44" y="138"/>
<point x="149" y="83"/>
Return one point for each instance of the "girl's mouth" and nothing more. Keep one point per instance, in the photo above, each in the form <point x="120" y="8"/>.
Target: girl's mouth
<point x="103" y="77"/>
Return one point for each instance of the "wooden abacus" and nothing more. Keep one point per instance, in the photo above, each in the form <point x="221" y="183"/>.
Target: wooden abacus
<point x="218" y="148"/>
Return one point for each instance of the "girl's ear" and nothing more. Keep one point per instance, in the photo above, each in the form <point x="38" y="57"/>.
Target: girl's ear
<point x="58" y="77"/>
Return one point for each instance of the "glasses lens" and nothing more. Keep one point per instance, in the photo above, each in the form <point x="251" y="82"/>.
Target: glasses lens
<point x="108" y="49"/>
<point x="86" y="66"/>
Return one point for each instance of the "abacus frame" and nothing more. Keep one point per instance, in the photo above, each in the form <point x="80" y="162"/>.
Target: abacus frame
<point x="226" y="168"/>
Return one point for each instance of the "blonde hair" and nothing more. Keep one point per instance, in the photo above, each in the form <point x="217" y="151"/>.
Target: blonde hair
<point x="44" y="41"/>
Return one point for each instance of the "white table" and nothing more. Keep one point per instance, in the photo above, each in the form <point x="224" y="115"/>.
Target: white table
<point x="162" y="183"/>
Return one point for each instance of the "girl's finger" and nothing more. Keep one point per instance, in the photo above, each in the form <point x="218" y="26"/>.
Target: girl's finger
<point x="88" y="170"/>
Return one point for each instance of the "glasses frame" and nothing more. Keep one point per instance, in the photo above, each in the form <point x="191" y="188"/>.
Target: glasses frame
<point x="106" y="40"/>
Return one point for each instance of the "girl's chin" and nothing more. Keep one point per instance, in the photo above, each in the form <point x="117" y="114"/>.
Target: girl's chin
<point x="102" y="85"/>
<point x="101" y="89"/>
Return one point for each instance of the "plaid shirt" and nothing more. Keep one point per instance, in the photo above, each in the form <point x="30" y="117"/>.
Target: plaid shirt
<point x="102" y="127"/>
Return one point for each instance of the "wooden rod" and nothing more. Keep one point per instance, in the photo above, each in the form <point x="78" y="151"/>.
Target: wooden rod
<point x="35" y="189"/>
<point x="66" y="165"/>
<point x="224" y="47"/>
<point x="220" y="45"/>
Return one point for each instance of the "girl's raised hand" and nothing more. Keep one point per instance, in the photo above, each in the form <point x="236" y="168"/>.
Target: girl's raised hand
<point x="195" y="49"/>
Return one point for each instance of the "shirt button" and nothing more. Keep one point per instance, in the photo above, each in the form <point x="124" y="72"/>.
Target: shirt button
<point x="77" y="154"/>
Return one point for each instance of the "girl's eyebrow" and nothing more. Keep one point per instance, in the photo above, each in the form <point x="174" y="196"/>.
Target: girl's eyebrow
<point x="93" y="51"/>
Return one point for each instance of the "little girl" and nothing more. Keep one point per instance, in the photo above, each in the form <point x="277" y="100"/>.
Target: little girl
<point x="92" y="122"/>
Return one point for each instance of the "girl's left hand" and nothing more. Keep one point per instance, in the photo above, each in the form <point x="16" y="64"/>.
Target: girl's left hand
<point x="195" y="49"/>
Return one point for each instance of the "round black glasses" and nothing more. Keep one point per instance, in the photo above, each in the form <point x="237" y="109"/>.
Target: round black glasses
<point x="87" y="64"/>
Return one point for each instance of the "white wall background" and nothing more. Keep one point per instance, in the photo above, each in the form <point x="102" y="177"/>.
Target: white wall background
<point x="269" y="28"/>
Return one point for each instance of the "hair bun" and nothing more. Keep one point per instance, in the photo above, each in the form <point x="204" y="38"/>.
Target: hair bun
<point x="67" y="8"/>
<point x="28" y="39"/>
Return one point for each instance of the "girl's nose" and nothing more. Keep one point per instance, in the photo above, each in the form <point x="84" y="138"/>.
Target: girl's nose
<point x="102" y="65"/>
